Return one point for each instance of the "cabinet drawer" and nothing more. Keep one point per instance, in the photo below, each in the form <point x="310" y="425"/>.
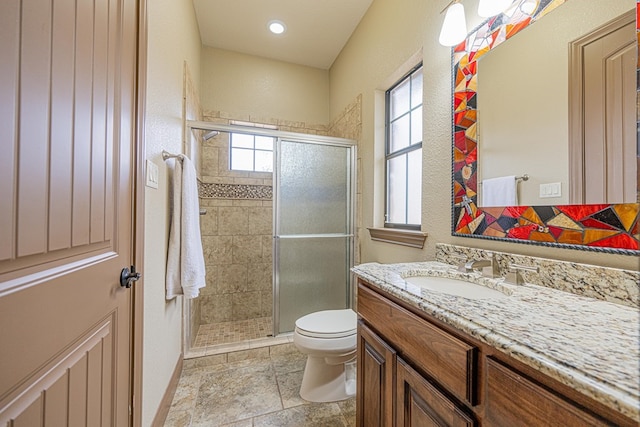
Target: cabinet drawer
<point x="513" y="399"/>
<point x="419" y="403"/>
<point x="448" y="360"/>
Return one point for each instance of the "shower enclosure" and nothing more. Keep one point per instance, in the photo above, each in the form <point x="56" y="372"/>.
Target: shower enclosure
<point x="313" y="216"/>
<point x="309" y="239"/>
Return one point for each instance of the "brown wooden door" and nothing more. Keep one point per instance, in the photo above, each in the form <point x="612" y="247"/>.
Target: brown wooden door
<point x="603" y="103"/>
<point x="67" y="93"/>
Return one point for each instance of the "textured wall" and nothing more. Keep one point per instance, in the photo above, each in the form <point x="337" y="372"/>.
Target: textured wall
<point x="173" y="38"/>
<point x="244" y="85"/>
<point x="390" y="34"/>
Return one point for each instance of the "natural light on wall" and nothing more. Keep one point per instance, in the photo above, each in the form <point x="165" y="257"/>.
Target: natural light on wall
<point x="454" y="27"/>
<point x="251" y="153"/>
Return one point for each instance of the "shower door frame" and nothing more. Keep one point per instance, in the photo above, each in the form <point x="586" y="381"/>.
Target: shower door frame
<point x="351" y="146"/>
<point x="191" y="125"/>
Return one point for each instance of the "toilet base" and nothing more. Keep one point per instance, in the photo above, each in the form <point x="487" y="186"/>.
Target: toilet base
<point x="323" y="382"/>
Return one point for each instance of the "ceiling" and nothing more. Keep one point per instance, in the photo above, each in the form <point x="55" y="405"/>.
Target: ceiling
<point x="316" y="32"/>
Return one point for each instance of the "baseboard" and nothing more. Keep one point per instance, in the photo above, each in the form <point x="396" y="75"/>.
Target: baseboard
<point x="165" y="403"/>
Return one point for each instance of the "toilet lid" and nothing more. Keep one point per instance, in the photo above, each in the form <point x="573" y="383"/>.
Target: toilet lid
<point x="328" y="324"/>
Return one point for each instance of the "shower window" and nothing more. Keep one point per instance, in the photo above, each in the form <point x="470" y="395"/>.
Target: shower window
<point x="404" y="152"/>
<point x="252" y="153"/>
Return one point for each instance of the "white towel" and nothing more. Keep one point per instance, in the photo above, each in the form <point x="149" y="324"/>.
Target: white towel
<point x="185" y="259"/>
<point x="500" y="191"/>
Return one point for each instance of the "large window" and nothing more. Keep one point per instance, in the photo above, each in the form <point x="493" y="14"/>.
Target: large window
<point x="404" y="152"/>
<point x="251" y="153"/>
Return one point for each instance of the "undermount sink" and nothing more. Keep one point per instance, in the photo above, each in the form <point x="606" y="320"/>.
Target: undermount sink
<point x="454" y="287"/>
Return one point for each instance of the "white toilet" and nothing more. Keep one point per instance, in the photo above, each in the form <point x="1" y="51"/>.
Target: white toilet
<point x="328" y="338"/>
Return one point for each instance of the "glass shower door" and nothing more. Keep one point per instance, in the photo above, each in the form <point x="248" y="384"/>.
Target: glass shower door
<point x="313" y="229"/>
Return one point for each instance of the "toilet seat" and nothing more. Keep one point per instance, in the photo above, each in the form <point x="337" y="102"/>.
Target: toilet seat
<point x="328" y="324"/>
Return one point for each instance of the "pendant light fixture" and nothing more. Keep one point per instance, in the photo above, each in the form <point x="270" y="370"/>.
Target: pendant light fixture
<point x="454" y="27"/>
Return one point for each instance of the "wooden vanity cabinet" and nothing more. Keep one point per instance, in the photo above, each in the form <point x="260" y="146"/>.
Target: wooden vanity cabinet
<point x="415" y="371"/>
<point x="375" y="379"/>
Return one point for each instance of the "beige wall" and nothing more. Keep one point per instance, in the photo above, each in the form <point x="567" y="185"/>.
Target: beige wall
<point x="541" y="56"/>
<point x="389" y="34"/>
<point x="173" y="38"/>
<point x="244" y="85"/>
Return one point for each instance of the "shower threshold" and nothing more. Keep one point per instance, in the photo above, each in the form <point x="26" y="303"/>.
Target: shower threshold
<point x="227" y="337"/>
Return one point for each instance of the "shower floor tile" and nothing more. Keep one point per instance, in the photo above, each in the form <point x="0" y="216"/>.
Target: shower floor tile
<point x="214" y="334"/>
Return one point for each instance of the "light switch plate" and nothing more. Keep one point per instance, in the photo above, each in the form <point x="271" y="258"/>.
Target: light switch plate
<point x="553" y="189"/>
<point x="152" y="175"/>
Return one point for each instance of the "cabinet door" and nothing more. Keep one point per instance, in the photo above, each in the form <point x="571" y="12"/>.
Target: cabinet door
<point x="513" y="399"/>
<point x="376" y="366"/>
<point x="420" y="404"/>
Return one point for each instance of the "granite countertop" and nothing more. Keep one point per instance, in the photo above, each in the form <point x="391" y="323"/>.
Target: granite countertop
<point x="590" y="345"/>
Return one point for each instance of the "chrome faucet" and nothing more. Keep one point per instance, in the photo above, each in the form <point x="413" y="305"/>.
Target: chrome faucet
<point x="475" y="264"/>
<point x="514" y="275"/>
<point x="479" y="264"/>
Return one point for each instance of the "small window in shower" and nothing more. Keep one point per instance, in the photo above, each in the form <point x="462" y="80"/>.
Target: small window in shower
<point x="252" y="153"/>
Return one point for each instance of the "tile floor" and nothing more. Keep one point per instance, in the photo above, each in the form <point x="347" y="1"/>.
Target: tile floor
<point x="231" y="332"/>
<point x="251" y="388"/>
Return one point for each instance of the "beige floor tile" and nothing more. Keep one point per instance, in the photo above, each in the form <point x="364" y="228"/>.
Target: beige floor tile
<point x="289" y="385"/>
<point x="214" y="391"/>
<point x="289" y="362"/>
<point x="236" y="394"/>
<point x="244" y="423"/>
<point x="284" y="348"/>
<point x="312" y="415"/>
<point x="178" y="419"/>
<point x="348" y="409"/>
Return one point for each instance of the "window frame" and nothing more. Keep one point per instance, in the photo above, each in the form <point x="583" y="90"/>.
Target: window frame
<point x="388" y="155"/>
<point x="253" y="150"/>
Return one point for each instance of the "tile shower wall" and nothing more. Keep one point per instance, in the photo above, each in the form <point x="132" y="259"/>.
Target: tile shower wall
<point x="348" y="124"/>
<point x="236" y="239"/>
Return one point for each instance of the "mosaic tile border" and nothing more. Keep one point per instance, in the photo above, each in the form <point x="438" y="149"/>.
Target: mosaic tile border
<point x="605" y="228"/>
<point x="234" y="191"/>
<point x="604" y="283"/>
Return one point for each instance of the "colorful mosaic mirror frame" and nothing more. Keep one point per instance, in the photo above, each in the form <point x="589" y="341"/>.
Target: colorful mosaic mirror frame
<point x="602" y="227"/>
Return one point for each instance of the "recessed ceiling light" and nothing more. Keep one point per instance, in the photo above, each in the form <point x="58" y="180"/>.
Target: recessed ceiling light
<point x="277" y="27"/>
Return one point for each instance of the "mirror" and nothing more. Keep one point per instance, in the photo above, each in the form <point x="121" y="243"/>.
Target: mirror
<point x="596" y="226"/>
<point x="544" y="63"/>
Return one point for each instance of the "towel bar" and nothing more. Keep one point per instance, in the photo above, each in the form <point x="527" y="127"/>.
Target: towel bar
<point x="524" y="177"/>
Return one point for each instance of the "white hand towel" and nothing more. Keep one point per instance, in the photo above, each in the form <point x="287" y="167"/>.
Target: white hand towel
<point x="185" y="259"/>
<point x="499" y="191"/>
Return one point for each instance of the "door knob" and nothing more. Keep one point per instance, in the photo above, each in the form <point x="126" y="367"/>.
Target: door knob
<point x="127" y="277"/>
